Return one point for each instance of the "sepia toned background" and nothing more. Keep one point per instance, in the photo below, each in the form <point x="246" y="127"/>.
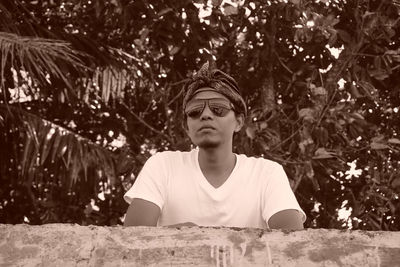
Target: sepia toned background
<point x="90" y="89"/>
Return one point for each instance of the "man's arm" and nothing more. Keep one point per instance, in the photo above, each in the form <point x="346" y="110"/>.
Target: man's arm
<point x="142" y="213"/>
<point x="286" y="220"/>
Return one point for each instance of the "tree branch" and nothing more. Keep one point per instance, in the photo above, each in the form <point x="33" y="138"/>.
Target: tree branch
<point x="283" y="64"/>
<point x="146" y="124"/>
<point x="180" y="92"/>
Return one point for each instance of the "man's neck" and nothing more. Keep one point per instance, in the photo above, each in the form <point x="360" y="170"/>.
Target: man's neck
<point x="216" y="164"/>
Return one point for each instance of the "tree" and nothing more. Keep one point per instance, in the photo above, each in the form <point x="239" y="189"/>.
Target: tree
<point x="310" y="111"/>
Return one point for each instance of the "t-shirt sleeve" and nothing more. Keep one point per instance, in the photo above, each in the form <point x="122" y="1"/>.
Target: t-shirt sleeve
<point x="151" y="182"/>
<point x="278" y="194"/>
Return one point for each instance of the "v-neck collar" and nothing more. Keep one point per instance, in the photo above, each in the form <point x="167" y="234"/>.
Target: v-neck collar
<point x="206" y="184"/>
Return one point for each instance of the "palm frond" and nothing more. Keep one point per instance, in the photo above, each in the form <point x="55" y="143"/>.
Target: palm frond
<point x="61" y="62"/>
<point x="39" y="57"/>
<point x="42" y="144"/>
<point x="111" y="83"/>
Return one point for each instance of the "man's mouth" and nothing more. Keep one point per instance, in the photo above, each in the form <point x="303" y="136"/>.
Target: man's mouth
<point x="206" y="128"/>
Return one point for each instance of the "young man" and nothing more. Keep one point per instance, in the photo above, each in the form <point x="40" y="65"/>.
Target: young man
<point x="211" y="185"/>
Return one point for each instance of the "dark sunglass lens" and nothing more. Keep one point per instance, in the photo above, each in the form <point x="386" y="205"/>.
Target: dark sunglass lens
<point x="194" y="113"/>
<point x="220" y="111"/>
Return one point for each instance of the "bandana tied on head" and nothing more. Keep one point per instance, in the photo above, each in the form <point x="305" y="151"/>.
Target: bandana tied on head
<point x="220" y="82"/>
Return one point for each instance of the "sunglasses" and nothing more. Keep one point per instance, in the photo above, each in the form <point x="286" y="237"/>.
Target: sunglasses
<point x="220" y="107"/>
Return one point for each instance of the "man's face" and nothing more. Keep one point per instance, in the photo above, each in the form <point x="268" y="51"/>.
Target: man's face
<point x="210" y="129"/>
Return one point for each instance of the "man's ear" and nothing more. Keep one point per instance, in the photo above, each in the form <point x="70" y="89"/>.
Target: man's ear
<point x="240" y="122"/>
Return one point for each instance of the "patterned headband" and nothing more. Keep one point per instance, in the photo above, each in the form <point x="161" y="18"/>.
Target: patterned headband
<point x="218" y="81"/>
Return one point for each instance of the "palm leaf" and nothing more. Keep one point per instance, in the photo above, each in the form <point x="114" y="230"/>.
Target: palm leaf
<point x="80" y="154"/>
<point x="64" y="57"/>
<point x="39" y="57"/>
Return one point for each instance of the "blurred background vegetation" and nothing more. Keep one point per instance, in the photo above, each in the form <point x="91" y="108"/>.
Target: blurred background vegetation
<point x="90" y="89"/>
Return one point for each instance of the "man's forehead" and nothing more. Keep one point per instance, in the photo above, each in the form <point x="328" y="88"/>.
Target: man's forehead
<point x="207" y="93"/>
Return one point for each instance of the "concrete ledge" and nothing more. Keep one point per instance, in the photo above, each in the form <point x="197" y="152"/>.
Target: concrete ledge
<point x="73" y="245"/>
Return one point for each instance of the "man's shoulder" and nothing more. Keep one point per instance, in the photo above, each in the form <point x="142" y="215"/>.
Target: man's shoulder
<point x="258" y="161"/>
<point x="167" y="159"/>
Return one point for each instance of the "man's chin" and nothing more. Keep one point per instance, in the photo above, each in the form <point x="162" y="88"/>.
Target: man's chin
<point x="206" y="144"/>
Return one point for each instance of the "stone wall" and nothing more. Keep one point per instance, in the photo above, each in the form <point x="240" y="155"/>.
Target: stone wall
<point x="73" y="245"/>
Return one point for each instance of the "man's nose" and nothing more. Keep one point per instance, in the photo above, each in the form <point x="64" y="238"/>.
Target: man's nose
<point x="206" y="114"/>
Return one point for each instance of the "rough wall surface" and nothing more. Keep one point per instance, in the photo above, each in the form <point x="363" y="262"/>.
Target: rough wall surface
<point x="73" y="245"/>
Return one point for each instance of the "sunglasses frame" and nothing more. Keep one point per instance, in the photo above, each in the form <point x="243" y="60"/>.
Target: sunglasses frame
<point x="206" y="102"/>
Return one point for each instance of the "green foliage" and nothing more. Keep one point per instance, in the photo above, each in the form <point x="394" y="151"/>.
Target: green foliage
<point x="121" y="78"/>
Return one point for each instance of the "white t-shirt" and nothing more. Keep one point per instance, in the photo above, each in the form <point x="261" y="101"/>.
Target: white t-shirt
<point x="256" y="189"/>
